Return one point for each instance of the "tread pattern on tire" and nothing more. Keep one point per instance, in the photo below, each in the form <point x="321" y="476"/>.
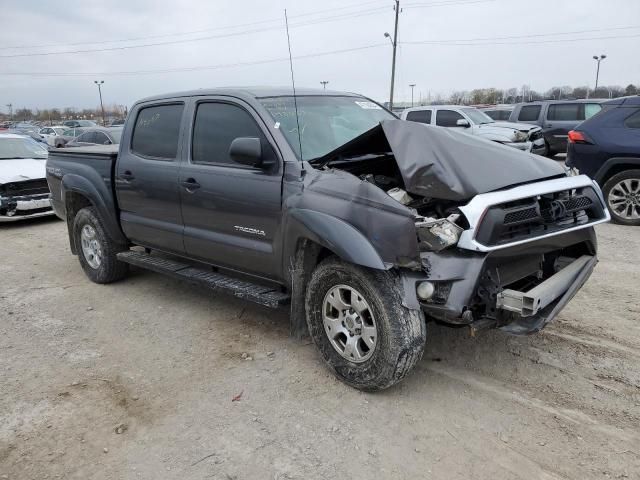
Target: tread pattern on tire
<point x="111" y="269"/>
<point x="401" y="331"/>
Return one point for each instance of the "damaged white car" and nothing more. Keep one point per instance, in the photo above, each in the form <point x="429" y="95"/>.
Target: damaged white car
<point x="521" y="136"/>
<point x="24" y="192"/>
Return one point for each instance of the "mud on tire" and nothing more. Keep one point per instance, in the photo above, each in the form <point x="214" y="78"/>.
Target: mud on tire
<point x="105" y="268"/>
<point x="401" y="332"/>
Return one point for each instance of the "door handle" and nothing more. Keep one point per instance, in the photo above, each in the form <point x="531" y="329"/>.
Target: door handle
<point x="190" y="184"/>
<point x="127" y="175"/>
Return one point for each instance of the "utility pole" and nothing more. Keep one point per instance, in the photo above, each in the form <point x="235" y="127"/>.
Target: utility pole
<point x="412" y="85"/>
<point x="99" y="83"/>
<point x="324" y="84"/>
<point x="598" y="59"/>
<point x="394" y="43"/>
<point x="10" y="105"/>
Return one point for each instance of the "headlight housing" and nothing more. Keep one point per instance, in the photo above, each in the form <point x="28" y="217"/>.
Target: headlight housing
<point x="520" y="136"/>
<point x="438" y="234"/>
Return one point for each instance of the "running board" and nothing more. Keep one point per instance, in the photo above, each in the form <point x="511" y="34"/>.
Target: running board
<point x="266" y="296"/>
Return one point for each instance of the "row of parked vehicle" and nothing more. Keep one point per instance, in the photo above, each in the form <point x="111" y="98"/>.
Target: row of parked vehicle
<point x="65" y="134"/>
<point x="602" y="141"/>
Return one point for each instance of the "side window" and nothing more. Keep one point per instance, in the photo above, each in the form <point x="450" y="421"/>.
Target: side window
<point x="216" y="126"/>
<point x="565" y="112"/>
<point x="156" y="131"/>
<point x="529" y="113"/>
<point x="633" y="121"/>
<point x="86" y="137"/>
<point x="422" y="116"/>
<point x="447" y="118"/>
<point x="590" y="109"/>
<point x="101" y="139"/>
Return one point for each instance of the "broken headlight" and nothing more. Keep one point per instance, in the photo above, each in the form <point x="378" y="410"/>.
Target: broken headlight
<point x="437" y="234"/>
<point x="520" y="136"/>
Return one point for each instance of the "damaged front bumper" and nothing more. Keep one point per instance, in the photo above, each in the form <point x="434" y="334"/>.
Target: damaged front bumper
<point x="482" y="290"/>
<point x="526" y="252"/>
<point x="15" y="208"/>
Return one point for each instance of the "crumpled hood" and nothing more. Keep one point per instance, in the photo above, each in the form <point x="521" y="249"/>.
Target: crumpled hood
<point x="442" y="163"/>
<point x="19" y="170"/>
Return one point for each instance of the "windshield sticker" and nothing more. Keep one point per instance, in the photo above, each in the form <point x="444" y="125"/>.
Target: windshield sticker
<point x="277" y="125"/>
<point x="368" y="105"/>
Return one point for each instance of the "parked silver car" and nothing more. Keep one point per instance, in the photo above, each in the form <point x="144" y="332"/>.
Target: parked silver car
<point x="24" y="192"/>
<point x="522" y="136"/>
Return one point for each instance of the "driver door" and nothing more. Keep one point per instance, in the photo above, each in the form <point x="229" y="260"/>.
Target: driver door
<point x="231" y="212"/>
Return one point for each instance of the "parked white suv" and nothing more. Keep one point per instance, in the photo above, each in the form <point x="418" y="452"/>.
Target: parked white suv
<point x="522" y="136"/>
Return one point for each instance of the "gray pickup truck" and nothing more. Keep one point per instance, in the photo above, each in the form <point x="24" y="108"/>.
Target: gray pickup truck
<point x="367" y="226"/>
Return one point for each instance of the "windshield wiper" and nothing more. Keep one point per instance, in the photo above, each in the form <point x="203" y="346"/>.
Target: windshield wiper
<point x="23" y="158"/>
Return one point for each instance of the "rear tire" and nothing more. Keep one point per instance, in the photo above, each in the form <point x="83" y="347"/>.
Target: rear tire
<point x="622" y="194"/>
<point x="96" y="251"/>
<point x="391" y="337"/>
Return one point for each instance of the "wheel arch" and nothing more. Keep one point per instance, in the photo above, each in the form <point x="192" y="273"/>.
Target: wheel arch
<point x="310" y="237"/>
<point x="615" y="165"/>
<point x="79" y="192"/>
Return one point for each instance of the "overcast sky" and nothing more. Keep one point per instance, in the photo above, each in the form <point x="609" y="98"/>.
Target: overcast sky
<point x="250" y="31"/>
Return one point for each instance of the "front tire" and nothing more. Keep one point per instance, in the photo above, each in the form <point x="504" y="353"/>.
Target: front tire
<point x="96" y="251"/>
<point x="622" y="194"/>
<point x="358" y="323"/>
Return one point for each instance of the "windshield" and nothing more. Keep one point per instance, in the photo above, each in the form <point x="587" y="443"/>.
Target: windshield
<point x="477" y="117"/>
<point x="21" y="148"/>
<point x="326" y="122"/>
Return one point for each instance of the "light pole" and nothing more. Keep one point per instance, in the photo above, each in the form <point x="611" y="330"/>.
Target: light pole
<point x="598" y="59"/>
<point x="394" y="44"/>
<point x="324" y="84"/>
<point x="412" y="85"/>
<point x="99" y="83"/>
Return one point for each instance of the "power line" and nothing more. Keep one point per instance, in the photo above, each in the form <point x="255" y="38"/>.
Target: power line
<point x="523" y="36"/>
<point x="209" y="37"/>
<point x="192" y="32"/>
<point x="454" y="43"/>
<point x="195" y="68"/>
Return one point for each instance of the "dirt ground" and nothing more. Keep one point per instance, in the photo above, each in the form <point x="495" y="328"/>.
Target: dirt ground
<point x="136" y="380"/>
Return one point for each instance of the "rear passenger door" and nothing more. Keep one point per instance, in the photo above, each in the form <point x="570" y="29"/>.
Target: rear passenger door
<point x="231" y="212"/>
<point x="147" y="177"/>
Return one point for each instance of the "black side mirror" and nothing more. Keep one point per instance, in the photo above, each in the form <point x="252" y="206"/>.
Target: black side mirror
<point x="246" y="151"/>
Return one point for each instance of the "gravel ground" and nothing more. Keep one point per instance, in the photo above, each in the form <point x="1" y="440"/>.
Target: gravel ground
<point x="137" y="380"/>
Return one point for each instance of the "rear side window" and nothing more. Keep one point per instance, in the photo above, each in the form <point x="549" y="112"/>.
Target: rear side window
<point x="422" y="116"/>
<point x="565" y="112"/>
<point x="156" y="131"/>
<point x="216" y="126"/>
<point x="101" y="139"/>
<point x="529" y="113"/>
<point x="633" y="121"/>
<point x="590" y="109"/>
<point x="447" y="118"/>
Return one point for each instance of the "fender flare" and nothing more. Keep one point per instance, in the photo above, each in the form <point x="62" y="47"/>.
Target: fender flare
<point x="93" y="187"/>
<point x="601" y="174"/>
<point x="333" y="233"/>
